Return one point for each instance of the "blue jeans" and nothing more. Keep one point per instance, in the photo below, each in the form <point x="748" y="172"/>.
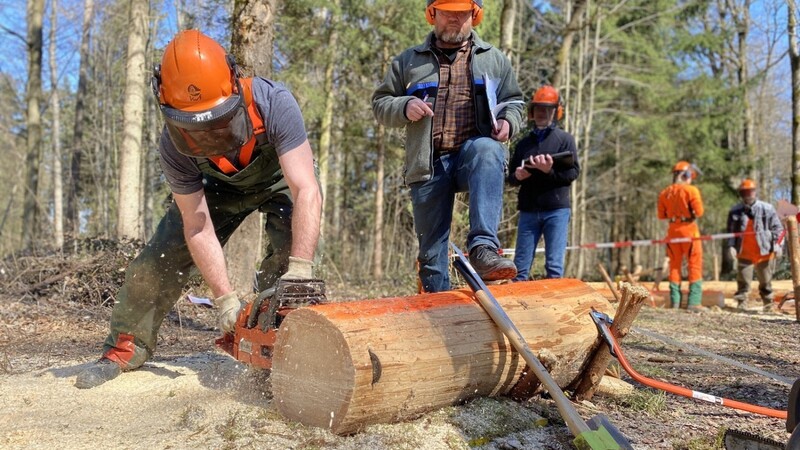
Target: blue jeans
<point x="532" y="225"/>
<point x="478" y="168"/>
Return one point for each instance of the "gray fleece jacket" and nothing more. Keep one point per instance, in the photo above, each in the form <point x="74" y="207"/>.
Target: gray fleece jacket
<point x="766" y="225"/>
<point x="415" y="73"/>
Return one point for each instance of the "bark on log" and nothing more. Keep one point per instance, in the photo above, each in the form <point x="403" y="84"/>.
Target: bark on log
<point x="344" y="366"/>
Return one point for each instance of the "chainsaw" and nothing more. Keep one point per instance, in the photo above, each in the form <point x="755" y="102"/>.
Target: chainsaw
<point x="253" y="337"/>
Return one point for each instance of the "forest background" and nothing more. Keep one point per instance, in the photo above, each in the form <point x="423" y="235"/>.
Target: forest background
<point x="645" y="83"/>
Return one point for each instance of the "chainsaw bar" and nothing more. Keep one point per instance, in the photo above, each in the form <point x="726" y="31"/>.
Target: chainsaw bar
<point x="743" y="440"/>
<point x="290" y="293"/>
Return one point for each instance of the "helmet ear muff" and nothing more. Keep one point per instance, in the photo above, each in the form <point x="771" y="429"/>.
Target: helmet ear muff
<point x="155" y="84"/>
<point x="559" y="109"/>
<point x="430" y="15"/>
<point x="477" y="14"/>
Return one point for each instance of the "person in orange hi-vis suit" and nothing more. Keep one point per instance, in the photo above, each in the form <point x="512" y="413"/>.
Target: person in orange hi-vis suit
<point x="680" y="203"/>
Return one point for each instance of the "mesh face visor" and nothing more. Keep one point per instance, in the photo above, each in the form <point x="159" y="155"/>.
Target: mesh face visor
<point x="217" y="131"/>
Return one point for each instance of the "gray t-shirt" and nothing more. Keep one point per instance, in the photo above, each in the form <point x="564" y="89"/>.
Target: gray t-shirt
<point x="284" y="125"/>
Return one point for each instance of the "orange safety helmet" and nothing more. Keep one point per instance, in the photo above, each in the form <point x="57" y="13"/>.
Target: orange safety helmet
<point x="476" y="6"/>
<point x="201" y="97"/>
<point x="685" y="166"/>
<point x="747" y="185"/>
<point x="547" y="96"/>
<point x="195" y="73"/>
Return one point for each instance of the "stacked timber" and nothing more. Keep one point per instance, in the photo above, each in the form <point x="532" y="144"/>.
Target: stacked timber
<point x="726" y="288"/>
<point x="661" y="299"/>
<point x="344" y="366"/>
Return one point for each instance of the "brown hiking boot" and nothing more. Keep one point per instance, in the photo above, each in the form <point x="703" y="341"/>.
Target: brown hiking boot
<point x="98" y="373"/>
<point x="489" y="265"/>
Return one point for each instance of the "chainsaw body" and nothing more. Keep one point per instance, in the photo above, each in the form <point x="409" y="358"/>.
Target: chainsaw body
<point x="253" y="337"/>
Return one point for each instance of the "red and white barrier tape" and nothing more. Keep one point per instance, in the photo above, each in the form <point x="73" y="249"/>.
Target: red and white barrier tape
<point x="647" y="242"/>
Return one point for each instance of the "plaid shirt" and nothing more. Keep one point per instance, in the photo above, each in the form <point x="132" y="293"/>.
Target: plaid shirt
<point x="454" y="109"/>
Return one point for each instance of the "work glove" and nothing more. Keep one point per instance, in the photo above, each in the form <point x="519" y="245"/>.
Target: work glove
<point x="299" y="269"/>
<point x="732" y="252"/>
<point x="228" y="307"/>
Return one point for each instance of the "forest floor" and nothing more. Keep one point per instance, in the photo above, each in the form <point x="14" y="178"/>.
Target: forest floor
<point x="54" y="315"/>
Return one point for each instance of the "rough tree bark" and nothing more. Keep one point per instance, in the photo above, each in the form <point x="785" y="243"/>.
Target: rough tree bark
<point x="251" y="45"/>
<point x="508" y="19"/>
<point x="572" y="27"/>
<point x="129" y="210"/>
<point x="326" y="123"/>
<point x="33" y="95"/>
<point x="73" y="188"/>
<point x="794" y="57"/>
<point x="55" y="107"/>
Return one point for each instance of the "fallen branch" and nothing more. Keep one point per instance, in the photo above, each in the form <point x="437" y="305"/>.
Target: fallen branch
<point x="633" y="297"/>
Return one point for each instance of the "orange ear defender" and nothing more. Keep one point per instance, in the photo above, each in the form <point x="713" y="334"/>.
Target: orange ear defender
<point x="548" y="96"/>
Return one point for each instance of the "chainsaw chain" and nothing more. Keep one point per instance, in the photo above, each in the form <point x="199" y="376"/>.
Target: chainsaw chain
<point x="750" y="441"/>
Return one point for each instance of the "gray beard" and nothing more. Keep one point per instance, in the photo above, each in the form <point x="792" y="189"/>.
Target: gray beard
<point x="452" y="38"/>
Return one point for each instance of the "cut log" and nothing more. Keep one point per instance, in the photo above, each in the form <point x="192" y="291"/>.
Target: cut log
<point x="661" y="298"/>
<point x="614" y="388"/>
<point x="344" y="366"/>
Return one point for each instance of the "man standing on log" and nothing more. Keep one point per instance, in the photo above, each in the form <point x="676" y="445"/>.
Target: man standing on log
<point x="755" y="249"/>
<point x="230" y="146"/>
<point x="680" y="203"/>
<point x="441" y="92"/>
<point x="544" y="199"/>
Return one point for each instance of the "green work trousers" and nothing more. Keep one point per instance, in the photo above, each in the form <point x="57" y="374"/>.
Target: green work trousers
<point x="156" y="277"/>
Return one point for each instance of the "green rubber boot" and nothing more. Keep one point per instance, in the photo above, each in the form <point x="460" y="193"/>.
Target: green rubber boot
<point x="695" y="293"/>
<point x="675" y="294"/>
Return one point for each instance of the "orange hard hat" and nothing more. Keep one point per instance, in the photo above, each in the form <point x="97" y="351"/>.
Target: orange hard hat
<point x="548" y="96"/>
<point x="195" y="73"/>
<point x="201" y="97"/>
<point x="747" y="184"/>
<point x="684" y="166"/>
<point x="476" y="6"/>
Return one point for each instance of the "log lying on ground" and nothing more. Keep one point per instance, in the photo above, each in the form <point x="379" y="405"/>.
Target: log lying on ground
<point x="661" y="298"/>
<point x="343" y="366"/>
<point x="727" y="288"/>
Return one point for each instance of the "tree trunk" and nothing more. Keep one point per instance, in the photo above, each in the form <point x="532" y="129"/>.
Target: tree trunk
<point x="508" y="19"/>
<point x="393" y="359"/>
<point x="572" y="27"/>
<point x="251" y="44"/>
<point x="377" y="249"/>
<point x="741" y="17"/>
<point x="129" y="209"/>
<point x="58" y="190"/>
<point x="72" y="214"/>
<point x="794" y="58"/>
<point x="33" y="94"/>
<point x="326" y="124"/>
